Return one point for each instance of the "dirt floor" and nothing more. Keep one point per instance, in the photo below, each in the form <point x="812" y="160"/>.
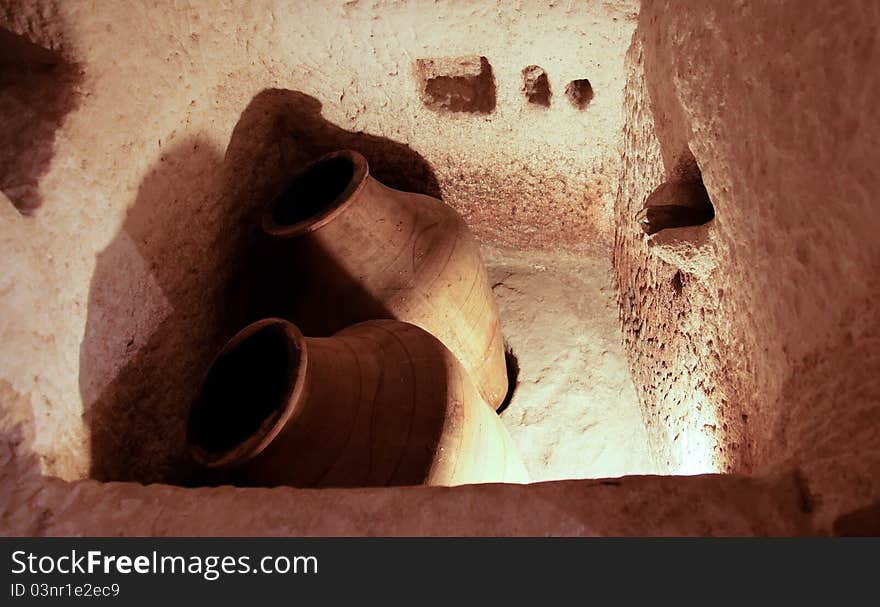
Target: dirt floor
<point x="574" y="413"/>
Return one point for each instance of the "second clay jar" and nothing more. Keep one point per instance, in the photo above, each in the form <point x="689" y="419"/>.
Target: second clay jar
<point x="347" y="249"/>
<point x="380" y="403"/>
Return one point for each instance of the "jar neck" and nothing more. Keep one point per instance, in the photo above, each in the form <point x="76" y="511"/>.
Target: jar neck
<point x="310" y="448"/>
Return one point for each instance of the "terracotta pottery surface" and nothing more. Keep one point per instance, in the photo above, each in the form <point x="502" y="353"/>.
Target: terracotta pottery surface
<point x="380" y="403"/>
<point x="351" y="249"/>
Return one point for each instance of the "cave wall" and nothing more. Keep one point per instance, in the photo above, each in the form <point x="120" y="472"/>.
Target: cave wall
<point x="754" y="338"/>
<point x="123" y="262"/>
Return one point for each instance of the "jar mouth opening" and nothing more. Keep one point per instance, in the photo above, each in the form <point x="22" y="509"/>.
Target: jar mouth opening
<point x="316" y="194"/>
<point x="248" y="395"/>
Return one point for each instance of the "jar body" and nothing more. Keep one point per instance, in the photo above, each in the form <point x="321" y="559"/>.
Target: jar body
<point x="381" y="403"/>
<point x="382" y="253"/>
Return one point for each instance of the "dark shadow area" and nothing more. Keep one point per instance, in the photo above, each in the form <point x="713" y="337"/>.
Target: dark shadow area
<point x="38" y="88"/>
<point x="864" y="522"/>
<point x="189" y="268"/>
<point x="680" y="202"/>
<point x="157" y="316"/>
<point x="677" y="283"/>
<point x="280" y="131"/>
<point x="511" y="362"/>
<point x="536" y="85"/>
<point x="579" y="93"/>
<point x="314" y="192"/>
<point x="457" y="84"/>
<point x="257" y="370"/>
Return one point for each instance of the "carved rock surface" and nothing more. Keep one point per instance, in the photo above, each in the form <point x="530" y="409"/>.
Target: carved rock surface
<point x="754" y="338"/>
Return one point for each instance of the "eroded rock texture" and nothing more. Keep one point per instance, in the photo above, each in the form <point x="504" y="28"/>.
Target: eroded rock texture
<point x="754" y="338"/>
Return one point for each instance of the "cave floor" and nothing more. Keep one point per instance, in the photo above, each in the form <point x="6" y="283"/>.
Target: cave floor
<point x="575" y="412"/>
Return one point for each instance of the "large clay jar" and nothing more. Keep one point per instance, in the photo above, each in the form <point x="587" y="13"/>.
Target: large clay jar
<point x="351" y="249"/>
<point x="379" y="403"/>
